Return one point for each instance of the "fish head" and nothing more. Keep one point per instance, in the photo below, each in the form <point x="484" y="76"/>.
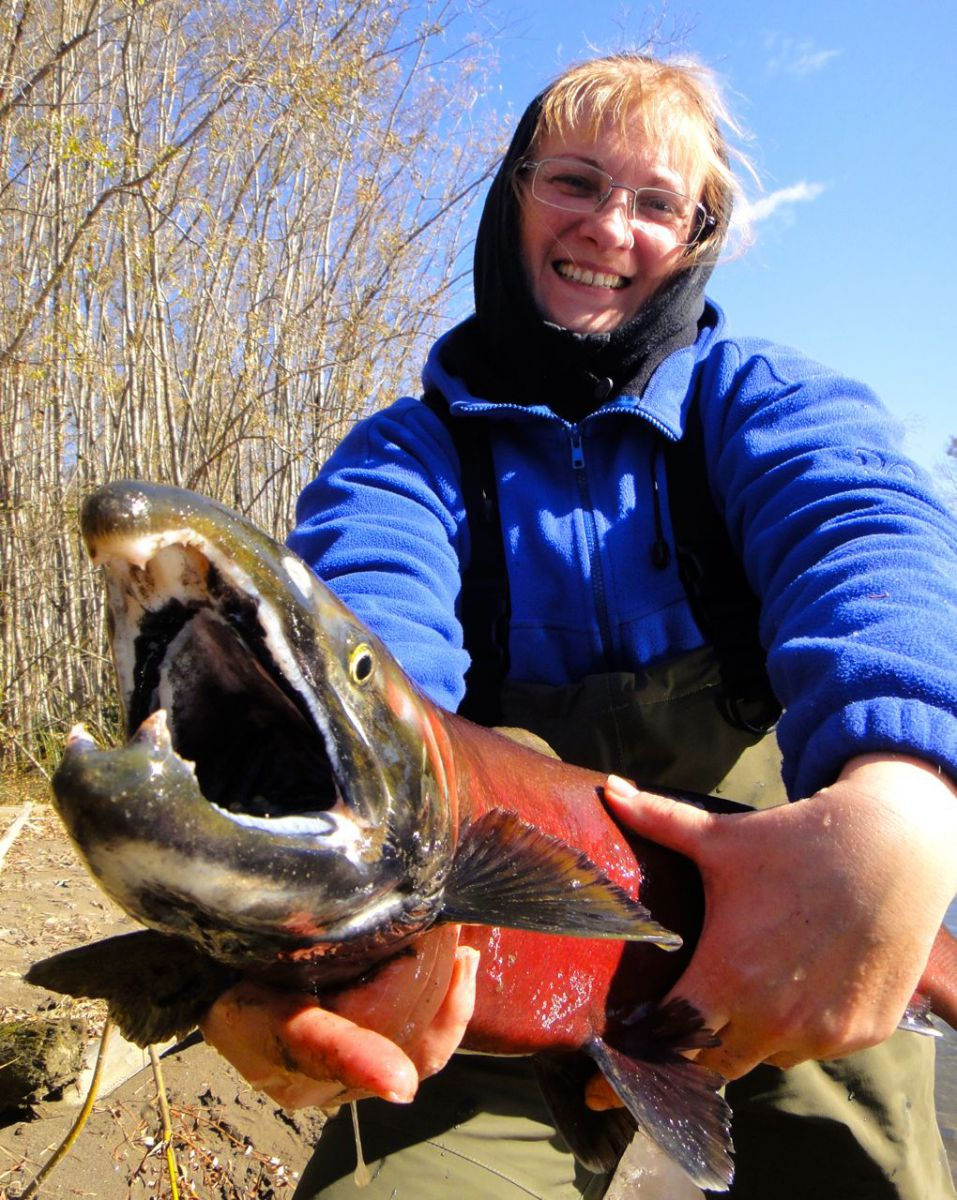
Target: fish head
<point x="282" y="789"/>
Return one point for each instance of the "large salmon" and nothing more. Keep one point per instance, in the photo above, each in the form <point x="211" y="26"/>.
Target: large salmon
<point x="290" y="806"/>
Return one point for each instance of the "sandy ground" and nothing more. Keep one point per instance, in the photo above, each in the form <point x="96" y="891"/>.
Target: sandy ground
<point x="230" y="1142"/>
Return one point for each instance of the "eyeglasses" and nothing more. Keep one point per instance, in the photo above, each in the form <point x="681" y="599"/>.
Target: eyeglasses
<point x="576" y="186"/>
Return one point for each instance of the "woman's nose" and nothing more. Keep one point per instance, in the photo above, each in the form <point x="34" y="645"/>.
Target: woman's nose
<point x="611" y="220"/>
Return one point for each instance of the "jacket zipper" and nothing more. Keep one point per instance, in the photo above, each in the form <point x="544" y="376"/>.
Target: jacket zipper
<point x="591" y="542"/>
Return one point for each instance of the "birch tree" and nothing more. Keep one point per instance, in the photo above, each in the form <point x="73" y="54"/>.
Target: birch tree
<point x="226" y="231"/>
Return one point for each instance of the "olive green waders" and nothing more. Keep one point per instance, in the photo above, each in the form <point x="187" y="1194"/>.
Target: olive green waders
<point x="862" y="1128"/>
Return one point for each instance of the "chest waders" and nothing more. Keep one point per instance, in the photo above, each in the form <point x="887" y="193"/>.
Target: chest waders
<point x="862" y="1128"/>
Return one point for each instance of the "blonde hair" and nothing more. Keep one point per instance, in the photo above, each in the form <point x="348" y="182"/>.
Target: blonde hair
<point x="675" y="102"/>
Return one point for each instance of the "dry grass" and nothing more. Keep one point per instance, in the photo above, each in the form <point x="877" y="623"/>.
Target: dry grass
<point x="19" y="787"/>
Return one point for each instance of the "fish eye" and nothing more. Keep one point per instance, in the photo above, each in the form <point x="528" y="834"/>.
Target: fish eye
<point x="361" y="664"/>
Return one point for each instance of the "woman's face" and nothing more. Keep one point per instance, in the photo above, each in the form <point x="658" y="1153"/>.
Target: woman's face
<point x="592" y="271"/>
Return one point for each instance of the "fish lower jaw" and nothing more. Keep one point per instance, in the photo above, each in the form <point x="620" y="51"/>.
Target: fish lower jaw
<point x="331" y="830"/>
<point x="241" y="918"/>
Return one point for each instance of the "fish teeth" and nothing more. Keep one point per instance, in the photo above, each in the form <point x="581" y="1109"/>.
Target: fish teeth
<point x="155" y="732"/>
<point x="79" y="733"/>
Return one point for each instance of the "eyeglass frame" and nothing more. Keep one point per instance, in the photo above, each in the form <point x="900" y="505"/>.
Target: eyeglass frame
<point x="704" y="221"/>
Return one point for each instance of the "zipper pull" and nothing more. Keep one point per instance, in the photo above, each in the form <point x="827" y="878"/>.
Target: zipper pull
<point x="578" y="454"/>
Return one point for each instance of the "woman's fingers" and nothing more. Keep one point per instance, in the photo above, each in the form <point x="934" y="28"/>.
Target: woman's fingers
<point x="301" y="1054"/>
<point x="817" y="923"/>
<point x="382" y="1038"/>
<point x="443" y="1036"/>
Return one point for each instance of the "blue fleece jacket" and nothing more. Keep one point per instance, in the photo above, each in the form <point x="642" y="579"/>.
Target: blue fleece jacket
<point x="853" y="558"/>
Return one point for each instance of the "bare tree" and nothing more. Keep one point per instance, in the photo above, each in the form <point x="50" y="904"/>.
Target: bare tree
<point x="225" y="232"/>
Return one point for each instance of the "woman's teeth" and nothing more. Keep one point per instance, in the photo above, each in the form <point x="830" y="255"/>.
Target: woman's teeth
<point x="568" y="270"/>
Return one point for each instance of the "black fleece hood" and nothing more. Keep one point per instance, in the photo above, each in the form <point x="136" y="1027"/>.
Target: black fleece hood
<point x="510" y="353"/>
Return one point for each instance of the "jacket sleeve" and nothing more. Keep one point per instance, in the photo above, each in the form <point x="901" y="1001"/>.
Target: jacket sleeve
<point x="852" y="555"/>
<point x="380" y="525"/>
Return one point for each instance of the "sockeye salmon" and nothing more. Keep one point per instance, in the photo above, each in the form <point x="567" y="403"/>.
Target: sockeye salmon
<point x="290" y="807"/>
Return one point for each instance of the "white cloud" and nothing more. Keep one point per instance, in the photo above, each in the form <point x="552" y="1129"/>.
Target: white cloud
<point x="810" y="61"/>
<point x="796" y="57"/>
<point x="767" y="206"/>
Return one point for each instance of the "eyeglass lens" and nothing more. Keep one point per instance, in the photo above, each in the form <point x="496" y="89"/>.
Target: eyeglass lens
<point x="579" y="187"/>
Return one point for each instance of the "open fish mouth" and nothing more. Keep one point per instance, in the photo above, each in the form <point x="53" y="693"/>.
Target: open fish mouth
<point x="212" y="622"/>
<point x="210" y="657"/>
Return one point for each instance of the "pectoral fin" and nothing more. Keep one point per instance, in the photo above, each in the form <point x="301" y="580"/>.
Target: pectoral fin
<point x="508" y="872"/>
<point x="156" y="986"/>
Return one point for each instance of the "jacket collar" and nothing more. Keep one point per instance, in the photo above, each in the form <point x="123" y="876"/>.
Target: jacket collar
<point x="663" y="403"/>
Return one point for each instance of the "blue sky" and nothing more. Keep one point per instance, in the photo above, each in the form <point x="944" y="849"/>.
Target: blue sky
<point x="851" y="113"/>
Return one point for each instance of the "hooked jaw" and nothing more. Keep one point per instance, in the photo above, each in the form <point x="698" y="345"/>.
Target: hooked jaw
<point x="240" y="791"/>
<point x="245" y="888"/>
<point x="205" y="624"/>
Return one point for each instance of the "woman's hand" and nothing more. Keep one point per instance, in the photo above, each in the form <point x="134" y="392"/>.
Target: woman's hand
<point x="819" y="915"/>
<point x="378" y="1039"/>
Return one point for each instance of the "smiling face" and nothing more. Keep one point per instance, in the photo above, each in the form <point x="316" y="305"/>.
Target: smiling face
<point x="591" y="272"/>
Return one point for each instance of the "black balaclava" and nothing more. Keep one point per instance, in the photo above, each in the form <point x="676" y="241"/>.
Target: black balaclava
<point x="510" y="353"/>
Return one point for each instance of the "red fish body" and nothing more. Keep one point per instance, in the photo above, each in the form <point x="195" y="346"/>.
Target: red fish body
<point x="542" y="991"/>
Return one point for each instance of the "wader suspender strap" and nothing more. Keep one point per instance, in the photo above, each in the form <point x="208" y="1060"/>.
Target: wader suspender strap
<point x="718" y="591"/>
<point x="721" y="599"/>
<point x="484" y="605"/>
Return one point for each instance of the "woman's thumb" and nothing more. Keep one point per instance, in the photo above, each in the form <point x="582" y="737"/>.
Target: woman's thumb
<point x="658" y="818"/>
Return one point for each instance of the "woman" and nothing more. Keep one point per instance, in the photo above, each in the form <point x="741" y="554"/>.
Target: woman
<point x="593" y="351"/>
